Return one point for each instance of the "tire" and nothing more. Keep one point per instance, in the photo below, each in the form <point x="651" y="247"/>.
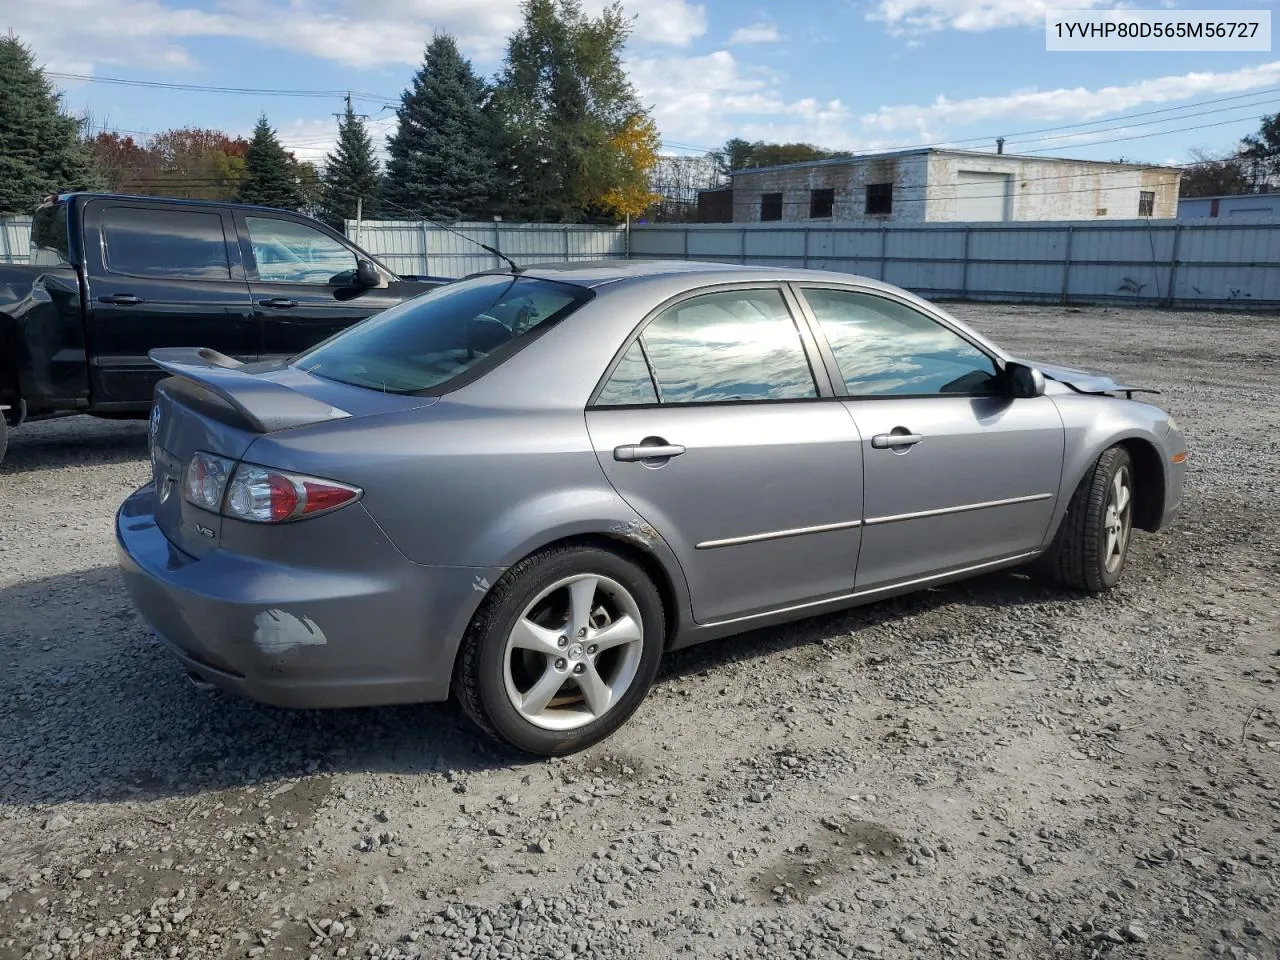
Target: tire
<point x="1083" y="555"/>
<point x="527" y="661"/>
<point x="4" y="436"/>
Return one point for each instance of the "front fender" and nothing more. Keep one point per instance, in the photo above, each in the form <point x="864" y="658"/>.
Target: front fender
<point x="1093" y="424"/>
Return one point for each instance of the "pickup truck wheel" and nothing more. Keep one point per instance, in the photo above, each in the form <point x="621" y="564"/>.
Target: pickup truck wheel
<point x="1092" y="544"/>
<point x="562" y="651"/>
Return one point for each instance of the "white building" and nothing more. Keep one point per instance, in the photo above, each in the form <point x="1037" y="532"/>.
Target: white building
<point x="1255" y="205"/>
<point x="954" y="185"/>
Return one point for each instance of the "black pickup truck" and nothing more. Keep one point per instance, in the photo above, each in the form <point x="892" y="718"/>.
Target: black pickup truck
<point x="112" y="277"/>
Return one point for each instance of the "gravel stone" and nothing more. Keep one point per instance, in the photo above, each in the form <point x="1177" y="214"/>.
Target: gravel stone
<point x="918" y="778"/>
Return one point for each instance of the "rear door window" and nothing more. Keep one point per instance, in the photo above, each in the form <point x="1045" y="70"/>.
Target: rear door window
<point x="153" y="242"/>
<point x="740" y="345"/>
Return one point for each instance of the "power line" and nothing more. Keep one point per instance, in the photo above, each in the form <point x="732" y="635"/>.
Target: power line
<point x="1106" y="123"/>
<point x="205" y="88"/>
<point x="1013" y="137"/>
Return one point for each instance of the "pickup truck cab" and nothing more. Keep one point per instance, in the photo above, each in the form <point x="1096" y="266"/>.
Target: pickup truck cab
<point x="113" y="277"/>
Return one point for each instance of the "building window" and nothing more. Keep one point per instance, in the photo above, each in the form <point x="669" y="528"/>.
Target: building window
<point x="879" y="199"/>
<point x="1147" y="203"/>
<point x="770" y="206"/>
<point x="821" y="203"/>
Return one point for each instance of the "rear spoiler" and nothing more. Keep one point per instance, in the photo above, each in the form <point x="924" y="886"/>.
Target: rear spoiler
<point x="267" y="406"/>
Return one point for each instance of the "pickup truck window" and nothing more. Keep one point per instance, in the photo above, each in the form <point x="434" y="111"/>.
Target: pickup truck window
<point x="49" y="236"/>
<point x="151" y="242"/>
<point x="291" y="252"/>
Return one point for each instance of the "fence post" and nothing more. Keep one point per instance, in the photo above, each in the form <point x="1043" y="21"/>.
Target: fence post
<point x="497" y="245"/>
<point x="424" y="227"/>
<point x="964" y="267"/>
<point x="1066" y="265"/>
<point x="884" y="245"/>
<point x="805" y="260"/>
<point x="685" y="231"/>
<point x="1173" y="262"/>
<point x="742" y="245"/>
<point x="566" y="244"/>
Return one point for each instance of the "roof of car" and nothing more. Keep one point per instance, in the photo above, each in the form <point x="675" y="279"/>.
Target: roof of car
<point x="597" y="273"/>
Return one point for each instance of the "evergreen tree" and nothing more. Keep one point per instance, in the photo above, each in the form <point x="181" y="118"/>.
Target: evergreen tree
<point x="270" y="174"/>
<point x="40" y="148"/>
<point x="567" y="106"/>
<point x="350" y="173"/>
<point x="443" y="154"/>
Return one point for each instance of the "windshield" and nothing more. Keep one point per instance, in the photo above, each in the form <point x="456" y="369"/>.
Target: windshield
<point x="424" y="344"/>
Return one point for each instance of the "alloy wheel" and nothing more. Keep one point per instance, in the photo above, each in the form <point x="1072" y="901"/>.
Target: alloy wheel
<point x="1117" y="521"/>
<point x="574" y="652"/>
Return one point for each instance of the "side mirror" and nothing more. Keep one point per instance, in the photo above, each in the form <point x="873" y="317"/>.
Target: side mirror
<point x="367" y="274"/>
<point x="1024" y="382"/>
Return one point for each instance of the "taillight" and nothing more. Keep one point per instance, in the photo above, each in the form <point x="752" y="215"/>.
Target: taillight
<point x="206" y="480"/>
<point x="245" y="491"/>
<point x="263" y="495"/>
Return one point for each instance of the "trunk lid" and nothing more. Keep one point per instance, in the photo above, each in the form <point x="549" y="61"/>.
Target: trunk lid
<point x="214" y="404"/>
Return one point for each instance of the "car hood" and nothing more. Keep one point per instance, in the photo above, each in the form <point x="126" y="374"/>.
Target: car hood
<point x="1084" y="381"/>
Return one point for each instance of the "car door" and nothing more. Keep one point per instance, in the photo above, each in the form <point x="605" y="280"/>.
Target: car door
<point x="303" y="283"/>
<point x="160" y="275"/>
<point x="956" y="472"/>
<point x="713" y="427"/>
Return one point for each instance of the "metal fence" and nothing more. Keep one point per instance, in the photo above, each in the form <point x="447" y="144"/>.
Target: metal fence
<point x="1174" y="263"/>
<point x="15" y="239"/>
<point x="1207" y="262"/>
<point x="1188" y="263"/>
<point x="414" y="247"/>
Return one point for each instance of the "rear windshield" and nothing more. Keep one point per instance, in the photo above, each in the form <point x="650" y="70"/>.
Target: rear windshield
<point x="460" y="329"/>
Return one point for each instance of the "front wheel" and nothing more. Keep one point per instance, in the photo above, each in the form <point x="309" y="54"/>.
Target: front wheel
<point x="562" y="651"/>
<point x="1092" y="544"/>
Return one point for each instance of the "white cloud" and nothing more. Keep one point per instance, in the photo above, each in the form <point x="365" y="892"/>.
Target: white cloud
<point x="75" y="36"/>
<point x="755" y="33"/>
<point x="1076" y="103"/>
<point x="702" y="101"/>
<point x="971" y="15"/>
<point x="673" y="22"/>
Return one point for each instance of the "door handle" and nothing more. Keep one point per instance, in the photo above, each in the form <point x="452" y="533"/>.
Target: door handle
<point x="891" y="441"/>
<point x="279" y="303"/>
<point x="121" y="300"/>
<point x="639" y="452"/>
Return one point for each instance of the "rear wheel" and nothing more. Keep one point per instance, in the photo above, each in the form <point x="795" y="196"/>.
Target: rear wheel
<point x="1092" y="544"/>
<point x="562" y="651"/>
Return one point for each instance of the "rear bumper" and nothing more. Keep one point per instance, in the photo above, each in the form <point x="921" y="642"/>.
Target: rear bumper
<point x="382" y="631"/>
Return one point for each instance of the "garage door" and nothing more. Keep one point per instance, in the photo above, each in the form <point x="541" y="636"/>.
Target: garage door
<point x="982" y="196"/>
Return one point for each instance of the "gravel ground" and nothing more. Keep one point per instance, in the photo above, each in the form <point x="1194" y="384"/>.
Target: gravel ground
<point x="991" y="769"/>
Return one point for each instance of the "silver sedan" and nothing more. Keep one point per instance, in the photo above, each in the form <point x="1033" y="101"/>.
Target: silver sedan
<point x="524" y="487"/>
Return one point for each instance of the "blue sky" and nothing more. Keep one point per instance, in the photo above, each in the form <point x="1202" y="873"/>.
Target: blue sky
<point x="850" y="74"/>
